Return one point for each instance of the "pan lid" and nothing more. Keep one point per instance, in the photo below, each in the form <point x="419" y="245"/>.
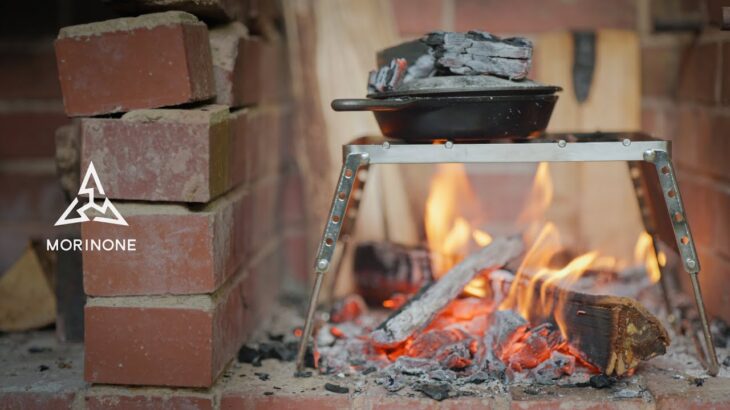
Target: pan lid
<point x="466" y="85"/>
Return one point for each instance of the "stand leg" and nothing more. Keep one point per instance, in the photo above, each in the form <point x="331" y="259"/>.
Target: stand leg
<point x="648" y="218"/>
<point x="685" y="244"/>
<point x="348" y="225"/>
<point x="329" y="239"/>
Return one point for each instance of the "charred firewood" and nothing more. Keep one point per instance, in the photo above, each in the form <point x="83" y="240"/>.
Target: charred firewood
<point x="446" y="54"/>
<point x="385" y="268"/>
<point x="613" y="333"/>
<point x="420" y="310"/>
<point x="479" y="52"/>
<point x="387" y="77"/>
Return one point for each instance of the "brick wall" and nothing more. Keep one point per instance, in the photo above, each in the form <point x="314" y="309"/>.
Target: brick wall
<point x="686" y="98"/>
<point x="200" y="185"/>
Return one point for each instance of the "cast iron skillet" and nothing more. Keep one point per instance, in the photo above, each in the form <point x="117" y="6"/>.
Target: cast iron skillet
<point x="459" y="114"/>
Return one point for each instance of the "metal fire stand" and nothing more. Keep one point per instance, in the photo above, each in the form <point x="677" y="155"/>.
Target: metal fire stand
<point x="651" y="170"/>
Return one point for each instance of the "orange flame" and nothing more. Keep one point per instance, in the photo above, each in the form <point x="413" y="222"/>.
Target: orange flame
<point x="532" y="216"/>
<point x="539" y="290"/>
<point x="448" y="230"/>
<point x="644" y="254"/>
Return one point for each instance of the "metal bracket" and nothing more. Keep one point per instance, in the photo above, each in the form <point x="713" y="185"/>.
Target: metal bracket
<point x="351" y="164"/>
<point x="685" y="246"/>
<point x="630" y="147"/>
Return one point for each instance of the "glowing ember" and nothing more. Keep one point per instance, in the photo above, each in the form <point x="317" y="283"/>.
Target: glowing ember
<point x="395" y="301"/>
<point x="471" y="333"/>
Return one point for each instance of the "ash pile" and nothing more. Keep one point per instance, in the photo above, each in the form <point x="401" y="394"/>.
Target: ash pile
<point x="457" y="335"/>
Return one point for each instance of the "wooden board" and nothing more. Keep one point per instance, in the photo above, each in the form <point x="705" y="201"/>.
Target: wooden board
<point x="594" y="204"/>
<point x="27" y="300"/>
<point x="332" y="49"/>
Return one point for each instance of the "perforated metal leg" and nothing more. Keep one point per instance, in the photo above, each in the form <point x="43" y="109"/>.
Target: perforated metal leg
<point x="330" y="237"/>
<point x="348" y="225"/>
<point x="685" y="244"/>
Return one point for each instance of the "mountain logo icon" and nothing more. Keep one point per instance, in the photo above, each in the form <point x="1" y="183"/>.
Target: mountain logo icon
<point x="104" y="208"/>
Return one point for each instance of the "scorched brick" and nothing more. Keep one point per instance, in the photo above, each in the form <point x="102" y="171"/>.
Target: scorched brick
<point x="151" y="61"/>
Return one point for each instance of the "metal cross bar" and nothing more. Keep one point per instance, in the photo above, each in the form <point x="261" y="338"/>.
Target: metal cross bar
<point x="632" y="147"/>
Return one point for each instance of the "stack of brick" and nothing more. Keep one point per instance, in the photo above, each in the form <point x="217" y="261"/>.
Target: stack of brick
<point x="184" y="127"/>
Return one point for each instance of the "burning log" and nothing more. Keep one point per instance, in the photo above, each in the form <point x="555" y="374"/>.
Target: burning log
<point x="479" y="52"/>
<point x="431" y="299"/>
<point x="449" y="53"/>
<point x="385" y="268"/>
<point x="613" y="333"/>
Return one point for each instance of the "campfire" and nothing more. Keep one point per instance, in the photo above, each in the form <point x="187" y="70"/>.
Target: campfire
<point x="501" y="309"/>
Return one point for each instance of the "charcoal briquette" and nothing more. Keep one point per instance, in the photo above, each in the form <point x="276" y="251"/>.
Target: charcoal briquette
<point x="334" y="388"/>
<point x="36" y="349"/>
<point x="369" y="370"/>
<point x="247" y="354"/>
<point x="601" y="381"/>
<point x="436" y="391"/>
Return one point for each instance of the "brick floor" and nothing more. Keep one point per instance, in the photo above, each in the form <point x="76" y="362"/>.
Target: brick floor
<point x="24" y="386"/>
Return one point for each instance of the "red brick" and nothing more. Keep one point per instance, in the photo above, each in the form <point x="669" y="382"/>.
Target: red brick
<point x="697" y="78"/>
<point x="552" y="398"/>
<point x="725" y="97"/>
<point x="723" y="219"/>
<point x="699" y="202"/>
<point x="28" y="71"/>
<point x="715" y="283"/>
<point x="179" y="250"/>
<point x="119" y="65"/>
<point x="660" y="71"/>
<point x="527" y="16"/>
<point x="259" y="140"/>
<point x="26" y="132"/>
<point x="33" y="400"/>
<point x="262" y="402"/>
<point x="175" y="341"/>
<point x="718" y="146"/>
<point x="264" y="131"/>
<point x="265" y="211"/>
<point x="147" y="399"/>
<point x="298" y="261"/>
<point x="661" y="122"/>
<point x="670" y="393"/>
<point x="691" y="145"/>
<point x="248" y="70"/>
<point x="415" y="18"/>
<point x="164" y="154"/>
<point x="292" y="200"/>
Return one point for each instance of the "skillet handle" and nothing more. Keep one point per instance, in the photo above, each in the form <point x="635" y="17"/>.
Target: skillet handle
<point x="363" y="104"/>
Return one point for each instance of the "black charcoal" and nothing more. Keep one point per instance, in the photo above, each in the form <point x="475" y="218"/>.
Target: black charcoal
<point x="334" y="388"/>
